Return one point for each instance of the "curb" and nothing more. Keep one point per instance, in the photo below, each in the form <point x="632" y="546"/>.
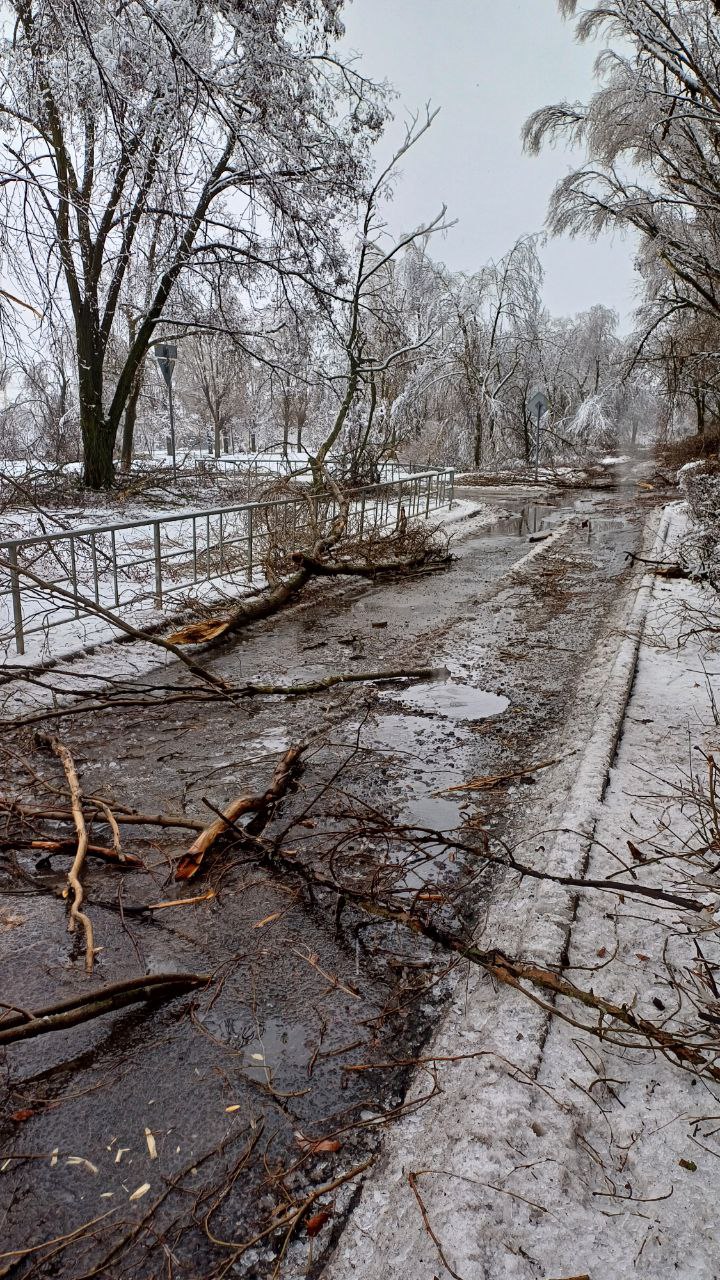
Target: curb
<point x="586" y="795"/>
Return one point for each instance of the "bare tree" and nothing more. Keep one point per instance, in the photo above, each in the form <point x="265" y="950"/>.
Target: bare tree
<point x="354" y="319"/>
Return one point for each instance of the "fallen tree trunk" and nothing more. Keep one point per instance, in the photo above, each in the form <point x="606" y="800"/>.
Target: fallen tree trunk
<point x="93" y="1004"/>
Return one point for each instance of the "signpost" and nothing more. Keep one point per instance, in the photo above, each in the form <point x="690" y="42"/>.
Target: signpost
<point x="166" y="355"/>
<point x="538" y="405"/>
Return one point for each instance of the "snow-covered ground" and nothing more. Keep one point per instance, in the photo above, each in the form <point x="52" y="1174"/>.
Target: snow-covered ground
<point x="547" y="1152"/>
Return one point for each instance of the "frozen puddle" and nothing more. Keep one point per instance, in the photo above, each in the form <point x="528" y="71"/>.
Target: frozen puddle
<point x="453" y="699"/>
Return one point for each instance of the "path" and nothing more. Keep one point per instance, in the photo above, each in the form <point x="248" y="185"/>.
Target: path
<point x="296" y="1000"/>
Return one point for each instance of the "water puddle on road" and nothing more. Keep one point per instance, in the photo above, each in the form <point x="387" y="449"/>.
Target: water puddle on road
<point x="452" y="699"/>
<point x="532" y="518"/>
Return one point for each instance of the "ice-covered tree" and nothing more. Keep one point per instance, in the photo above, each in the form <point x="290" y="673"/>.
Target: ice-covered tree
<point x="182" y="138"/>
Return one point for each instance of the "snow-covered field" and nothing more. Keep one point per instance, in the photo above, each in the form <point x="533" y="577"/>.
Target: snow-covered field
<point x="547" y="1152"/>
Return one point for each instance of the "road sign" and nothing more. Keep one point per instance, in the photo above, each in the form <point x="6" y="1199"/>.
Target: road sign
<point x="166" y="355"/>
<point x="538" y="404"/>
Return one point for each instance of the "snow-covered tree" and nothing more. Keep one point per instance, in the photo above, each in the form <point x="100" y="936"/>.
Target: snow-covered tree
<point x="187" y="137"/>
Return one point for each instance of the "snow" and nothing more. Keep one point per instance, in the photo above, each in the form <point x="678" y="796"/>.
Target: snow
<point x="551" y="1154"/>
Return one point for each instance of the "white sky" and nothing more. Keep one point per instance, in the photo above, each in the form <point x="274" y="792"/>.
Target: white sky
<point x="488" y="64"/>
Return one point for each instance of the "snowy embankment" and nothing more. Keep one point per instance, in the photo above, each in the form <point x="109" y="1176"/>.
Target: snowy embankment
<point x="549" y="1152"/>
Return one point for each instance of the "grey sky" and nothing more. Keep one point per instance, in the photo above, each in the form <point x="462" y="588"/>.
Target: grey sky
<point x="488" y="64"/>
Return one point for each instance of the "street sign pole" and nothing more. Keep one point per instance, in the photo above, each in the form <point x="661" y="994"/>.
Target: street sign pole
<point x="166" y="355"/>
<point x="172" y="428"/>
<point x="538" y="404"/>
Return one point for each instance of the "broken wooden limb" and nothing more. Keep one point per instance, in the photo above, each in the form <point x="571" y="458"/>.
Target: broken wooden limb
<point x="252" y="610"/>
<point x="65" y="846"/>
<point x="107" y="701"/>
<point x="123" y="818"/>
<point x="77" y="915"/>
<point x="367" y="568"/>
<point x="350" y="677"/>
<point x="93" y="1004"/>
<point x="495" y="779"/>
<point x="261" y="805"/>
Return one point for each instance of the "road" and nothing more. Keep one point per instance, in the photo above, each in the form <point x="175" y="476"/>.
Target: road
<point x="303" y="991"/>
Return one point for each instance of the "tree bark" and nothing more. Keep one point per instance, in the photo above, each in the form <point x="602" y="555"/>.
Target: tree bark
<point x="128" y="439"/>
<point x="98" y="446"/>
<point x="478" y="437"/>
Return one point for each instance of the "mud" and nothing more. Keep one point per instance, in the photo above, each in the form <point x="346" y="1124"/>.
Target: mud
<point x="302" y="989"/>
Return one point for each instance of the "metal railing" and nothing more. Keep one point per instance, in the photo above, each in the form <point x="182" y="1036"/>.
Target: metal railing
<point x="135" y="562"/>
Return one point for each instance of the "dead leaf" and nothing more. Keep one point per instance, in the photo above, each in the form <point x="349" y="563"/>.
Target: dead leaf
<point x="24" y="1114"/>
<point x="640" y="956"/>
<point x="601" y="951"/>
<point x="317" y="1222"/>
<point x="316" y="1146"/>
<point x="141" y="1191"/>
<point x="637" y="854"/>
<point x="690" y="1165"/>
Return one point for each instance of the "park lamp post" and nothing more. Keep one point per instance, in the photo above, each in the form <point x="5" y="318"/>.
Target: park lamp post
<point x="166" y="355"/>
<point x="538" y="405"/>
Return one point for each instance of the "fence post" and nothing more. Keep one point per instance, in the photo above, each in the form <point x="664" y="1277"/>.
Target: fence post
<point x="158" y="565"/>
<point x="73" y="574"/>
<point x="452" y="487"/>
<point x="16" y="599"/>
<point x="250" y="544"/>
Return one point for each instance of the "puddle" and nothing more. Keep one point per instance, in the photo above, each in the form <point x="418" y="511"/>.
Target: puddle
<point x="533" y="517"/>
<point x="277" y="1047"/>
<point x="453" y="700"/>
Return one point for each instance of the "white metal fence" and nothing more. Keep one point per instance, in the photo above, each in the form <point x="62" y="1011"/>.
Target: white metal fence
<point x="147" y="562"/>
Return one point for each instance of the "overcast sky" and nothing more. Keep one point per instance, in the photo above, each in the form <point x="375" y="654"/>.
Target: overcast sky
<point x="488" y="64"/>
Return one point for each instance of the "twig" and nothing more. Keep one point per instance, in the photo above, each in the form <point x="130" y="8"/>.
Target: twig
<point x="412" y="1180"/>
